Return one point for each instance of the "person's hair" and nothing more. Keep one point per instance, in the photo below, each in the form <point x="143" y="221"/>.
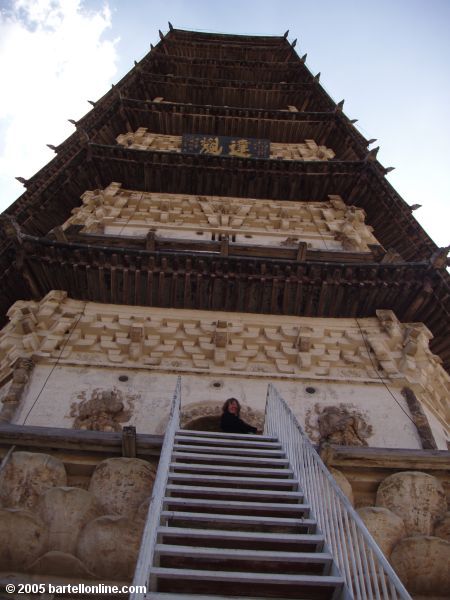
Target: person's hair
<point x="227" y="404"/>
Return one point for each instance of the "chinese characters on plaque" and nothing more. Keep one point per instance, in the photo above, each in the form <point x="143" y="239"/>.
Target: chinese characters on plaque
<point x="221" y="145"/>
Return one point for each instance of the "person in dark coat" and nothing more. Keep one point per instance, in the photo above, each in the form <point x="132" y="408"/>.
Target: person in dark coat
<point x="230" y="421"/>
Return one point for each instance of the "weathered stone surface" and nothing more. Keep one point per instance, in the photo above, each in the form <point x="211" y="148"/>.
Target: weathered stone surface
<point x="386" y="528"/>
<point x="23" y="538"/>
<point x="418" y="498"/>
<point x="109" y="546"/>
<point x="66" y="510"/>
<point x="442" y="529"/>
<point x="103" y="411"/>
<point x="142" y="511"/>
<point x="60" y="563"/>
<point x="26" y="476"/>
<point x="423" y="564"/>
<point x="122" y="484"/>
<point x="343" y="483"/>
<point x="340" y="424"/>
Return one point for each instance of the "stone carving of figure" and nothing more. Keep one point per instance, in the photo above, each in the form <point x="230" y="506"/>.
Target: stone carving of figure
<point x="104" y="411"/>
<point x="337" y="425"/>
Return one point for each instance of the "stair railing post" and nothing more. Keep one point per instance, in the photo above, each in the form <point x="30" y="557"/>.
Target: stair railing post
<point x="142" y="574"/>
<point x="367" y="573"/>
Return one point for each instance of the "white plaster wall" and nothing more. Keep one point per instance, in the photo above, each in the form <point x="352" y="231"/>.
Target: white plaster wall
<point x="50" y="401"/>
<point x="315" y="241"/>
<point x="150" y="392"/>
<point x="392" y="428"/>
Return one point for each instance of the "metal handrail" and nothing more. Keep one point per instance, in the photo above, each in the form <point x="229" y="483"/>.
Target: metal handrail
<point x="142" y="574"/>
<point x="366" y="571"/>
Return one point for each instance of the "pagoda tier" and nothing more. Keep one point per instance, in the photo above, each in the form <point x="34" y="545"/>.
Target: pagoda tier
<point x="209" y="280"/>
<point x="276" y="50"/>
<point x="246" y="86"/>
<point x="128" y="114"/>
<point x="357" y="182"/>
<point x="243" y="94"/>
<point x="216" y="68"/>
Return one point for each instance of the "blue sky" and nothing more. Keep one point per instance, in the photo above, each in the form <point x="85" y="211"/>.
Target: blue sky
<point x="388" y="59"/>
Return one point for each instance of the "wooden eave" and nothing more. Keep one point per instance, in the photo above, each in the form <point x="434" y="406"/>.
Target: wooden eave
<point x="305" y="96"/>
<point x="282" y="126"/>
<point x="203" y="280"/>
<point x="226" y="48"/>
<point x="176" y="119"/>
<point x="233" y="38"/>
<point x="128" y="114"/>
<point x="223" y="68"/>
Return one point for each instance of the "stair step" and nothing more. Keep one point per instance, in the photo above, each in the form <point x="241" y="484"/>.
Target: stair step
<point x="201" y="468"/>
<point x="255" y="521"/>
<point x="252" y="540"/>
<point x="230" y="450"/>
<point x="233" y="480"/>
<point x="265" y="584"/>
<point x="232" y="559"/>
<point x="243" y="555"/>
<point x="221" y="434"/>
<point x="251" y="460"/>
<point x="290" y="497"/>
<point x="234" y="442"/>
<point x="235" y="506"/>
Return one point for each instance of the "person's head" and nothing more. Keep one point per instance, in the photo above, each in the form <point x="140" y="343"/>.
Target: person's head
<point x="232" y="406"/>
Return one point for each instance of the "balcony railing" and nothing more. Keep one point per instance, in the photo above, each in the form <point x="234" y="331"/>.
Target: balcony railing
<point x="367" y="573"/>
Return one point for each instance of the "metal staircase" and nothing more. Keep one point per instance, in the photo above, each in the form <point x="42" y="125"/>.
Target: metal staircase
<point x="234" y="523"/>
<point x="230" y="518"/>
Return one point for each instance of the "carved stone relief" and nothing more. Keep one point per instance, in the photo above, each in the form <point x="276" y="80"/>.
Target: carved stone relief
<point x="120" y="485"/>
<point x="104" y="410"/>
<point x="28" y="475"/>
<point x="411" y="527"/>
<point x="109" y="546"/>
<point x="422" y="563"/>
<point x="442" y="528"/>
<point x="386" y="527"/>
<point x="50" y="529"/>
<point x="416" y="497"/>
<point x="23" y="536"/>
<point x="65" y="511"/>
<point x="342" y="424"/>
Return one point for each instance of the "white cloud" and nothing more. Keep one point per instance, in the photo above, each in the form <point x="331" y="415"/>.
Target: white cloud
<point x="52" y="59"/>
